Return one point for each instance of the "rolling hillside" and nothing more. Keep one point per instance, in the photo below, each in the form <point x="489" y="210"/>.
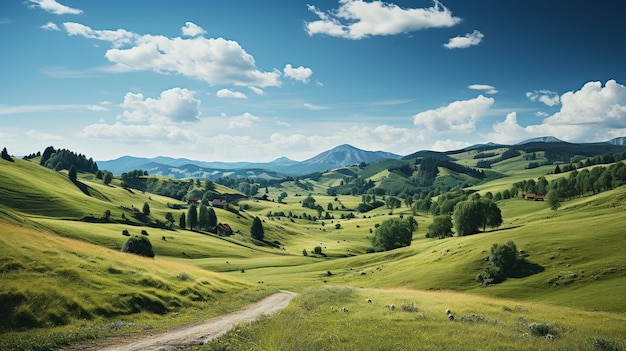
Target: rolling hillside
<point x="55" y="240"/>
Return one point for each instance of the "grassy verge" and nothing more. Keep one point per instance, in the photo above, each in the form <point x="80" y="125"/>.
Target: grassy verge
<point x="341" y="318"/>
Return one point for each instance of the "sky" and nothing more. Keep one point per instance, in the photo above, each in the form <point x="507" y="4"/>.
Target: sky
<point x="249" y="80"/>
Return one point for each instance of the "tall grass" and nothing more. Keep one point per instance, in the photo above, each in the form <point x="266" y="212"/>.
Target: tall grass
<point x="316" y="321"/>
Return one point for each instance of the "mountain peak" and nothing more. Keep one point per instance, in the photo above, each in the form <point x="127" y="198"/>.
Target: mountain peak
<point x="545" y="139"/>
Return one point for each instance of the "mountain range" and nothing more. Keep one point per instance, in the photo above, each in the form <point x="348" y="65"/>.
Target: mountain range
<point x="340" y="156"/>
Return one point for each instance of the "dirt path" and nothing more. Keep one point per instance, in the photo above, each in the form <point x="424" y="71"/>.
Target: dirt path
<point x="183" y="337"/>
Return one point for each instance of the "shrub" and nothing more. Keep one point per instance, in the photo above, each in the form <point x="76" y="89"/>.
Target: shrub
<point x="317" y="250"/>
<point x="144" y="232"/>
<point x="125" y="232"/>
<point x="139" y="246"/>
<point x="542" y="329"/>
<point x="603" y="344"/>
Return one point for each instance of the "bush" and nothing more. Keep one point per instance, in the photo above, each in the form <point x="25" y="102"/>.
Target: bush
<point x="139" y="246"/>
<point x="542" y="329"/>
<point x="125" y="232"/>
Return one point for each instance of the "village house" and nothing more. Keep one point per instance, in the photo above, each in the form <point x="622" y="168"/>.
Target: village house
<point x="534" y="197"/>
<point x="193" y="200"/>
<point x="219" y="203"/>
<point x="224" y="229"/>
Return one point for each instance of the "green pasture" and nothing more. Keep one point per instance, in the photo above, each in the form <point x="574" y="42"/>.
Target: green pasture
<point x="342" y="318"/>
<point x="64" y="279"/>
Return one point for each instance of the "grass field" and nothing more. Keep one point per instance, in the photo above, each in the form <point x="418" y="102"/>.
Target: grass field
<point x="64" y="280"/>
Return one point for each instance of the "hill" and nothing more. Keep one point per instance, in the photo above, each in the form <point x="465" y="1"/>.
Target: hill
<point x="57" y="239"/>
<point x="183" y="168"/>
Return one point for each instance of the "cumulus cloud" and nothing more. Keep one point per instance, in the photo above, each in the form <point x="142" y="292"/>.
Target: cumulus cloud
<point x="213" y="60"/>
<point x="191" y="29"/>
<point x="593" y="113"/>
<point x="460" y="116"/>
<point x="247" y="120"/>
<point x="548" y="97"/>
<point x="469" y="39"/>
<point x="47" y="137"/>
<point x="358" y="19"/>
<point x="173" y="105"/>
<point x="300" y="73"/>
<point x="50" y="26"/>
<point x="118" y="37"/>
<point x="54" y="7"/>
<point x="488" y="89"/>
<point x="227" y="93"/>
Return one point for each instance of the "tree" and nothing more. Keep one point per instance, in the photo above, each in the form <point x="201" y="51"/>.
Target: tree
<point x="491" y="214"/>
<point x="192" y="215"/>
<point x="108" y="177"/>
<point x="72" y="173"/>
<point x="169" y="217"/>
<point x="212" y="218"/>
<point x="146" y="209"/>
<point x="6" y="156"/>
<point x="308" y="202"/>
<point x="139" y="246"/>
<point x="469" y="216"/>
<point x="393" y="202"/>
<point x="440" y="228"/>
<point x="392" y="234"/>
<point x="503" y="260"/>
<point x="554" y="199"/>
<point x="281" y="197"/>
<point x="317" y="250"/>
<point x="256" y="231"/>
<point x="182" y="221"/>
<point x="203" y="217"/>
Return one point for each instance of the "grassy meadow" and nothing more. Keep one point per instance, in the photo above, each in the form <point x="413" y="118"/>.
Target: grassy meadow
<point x="64" y="280"/>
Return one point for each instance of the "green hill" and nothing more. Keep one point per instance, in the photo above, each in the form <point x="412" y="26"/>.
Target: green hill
<point x="64" y="278"/>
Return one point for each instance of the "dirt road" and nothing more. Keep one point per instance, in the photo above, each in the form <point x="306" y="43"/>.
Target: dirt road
<point x="180" y="338"/>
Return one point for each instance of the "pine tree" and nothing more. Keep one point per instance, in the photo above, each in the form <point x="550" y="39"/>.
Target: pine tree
<point x="256" y="230"/>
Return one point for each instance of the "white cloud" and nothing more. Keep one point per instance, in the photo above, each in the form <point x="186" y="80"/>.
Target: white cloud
<point x="118" y="37"/>
<point x="593" y="104"/>
<point x="247" y="120"/>
<point x="256" y="90"/>
<point x="215" y="61"/>
<point x="173" y="105"/>
<point x="488" y="89"/>
<point x="590" y="114"/>
<point x="50" y="26"/>
<point x="469" y="39"/>
<point x="47" y="137"/>
<point x="448" y="144"/>
<point x="54" y="7"/>
<point x="548" y="97"/>
<point x="18" y="109"/>
<point x="358" y="19"/>
<point x="191" y="29"/>
<point x="314" y="107"/>
<point x="460" y="116"/>
<point x="227" y="93"/>
<point x="301" y="73"/>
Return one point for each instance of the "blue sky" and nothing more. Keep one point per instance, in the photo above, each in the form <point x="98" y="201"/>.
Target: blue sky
<point x="249" y="80"/>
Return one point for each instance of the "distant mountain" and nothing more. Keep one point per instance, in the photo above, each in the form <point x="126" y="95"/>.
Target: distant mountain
<point x="339" y="156"/>
<point x="545" y="139"/>
<point x="618" y="141"/>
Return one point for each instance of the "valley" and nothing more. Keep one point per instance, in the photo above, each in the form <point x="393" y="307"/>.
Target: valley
<point x="65" y="280"/>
